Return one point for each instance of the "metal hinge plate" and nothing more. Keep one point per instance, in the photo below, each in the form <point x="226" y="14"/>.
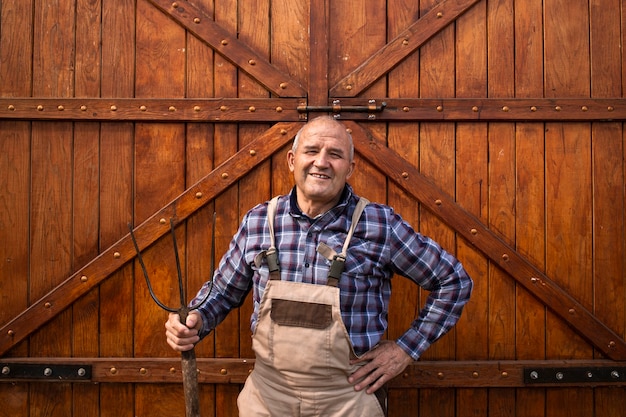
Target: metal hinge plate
<point x="574" y="375"/>
<point x="43" y="371"/>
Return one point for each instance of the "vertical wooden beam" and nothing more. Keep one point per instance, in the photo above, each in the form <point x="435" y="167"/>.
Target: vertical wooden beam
<point x="318" y="52"/>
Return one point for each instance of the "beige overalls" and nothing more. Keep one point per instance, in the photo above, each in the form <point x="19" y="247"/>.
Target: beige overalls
<point x="302" y="347"/>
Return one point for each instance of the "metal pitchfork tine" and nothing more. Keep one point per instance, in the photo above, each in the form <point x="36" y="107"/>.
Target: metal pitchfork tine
<point x="188" y="358"/>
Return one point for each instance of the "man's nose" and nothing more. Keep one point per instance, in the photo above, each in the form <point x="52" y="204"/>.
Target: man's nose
<point x="322" y="159"/>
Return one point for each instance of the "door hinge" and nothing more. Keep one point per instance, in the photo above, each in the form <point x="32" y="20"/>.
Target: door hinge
<point x="56" y="372"/>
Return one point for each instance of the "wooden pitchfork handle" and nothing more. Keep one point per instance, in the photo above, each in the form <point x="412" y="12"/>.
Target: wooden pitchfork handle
<point x="188" y="358"/>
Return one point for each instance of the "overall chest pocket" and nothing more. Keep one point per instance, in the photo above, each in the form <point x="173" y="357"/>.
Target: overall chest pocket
<point x="301" y="314"/>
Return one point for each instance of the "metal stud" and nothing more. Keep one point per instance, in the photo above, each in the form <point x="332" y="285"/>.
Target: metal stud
<point x="83" y="278"/>
<point x="405" y="175"/>
<point x="196" y="108"/>
<point x="47" y="305"/>
<point x="224" y="42"/>
<point x="225" y="175"/>
<point x="223" y="108"/>
<point x="198" y="194"/>
<point x="40" y="107"/>
<point x="83" y="108"/>
<point x="440" y="108"/>
<point x="223" y="371"/>
<point x="505" y="257"/>
<point x="252" y="62"/>
<point x="11" y="333"/>
<point x="113" y="108"/>
<point x="252" y="152"/>
<point x="251" y="109"/>
<point x="196" y="20"/>
<point x="117" y="255"/>
<point x="143" y="108"/>
<point x="11" y="107"/>
<point x="163" y="221"/>
<point x="279" y="109"/>
<point x="405" y="109"/>
<point x="283" y="85"/>
<point x="438" y="202"/>
<point x="348" y="87"/>
<point x="172" y="108"/>
<point x="405" y="42"/>
<point x="60" y="107"/>
<point x="533" y="108"/>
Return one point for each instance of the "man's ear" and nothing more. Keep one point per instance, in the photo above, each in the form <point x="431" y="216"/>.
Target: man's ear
<point x="352" y="166"/>
<point x="290" y="157"/>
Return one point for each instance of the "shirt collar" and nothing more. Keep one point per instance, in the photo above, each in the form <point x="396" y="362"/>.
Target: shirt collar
<point x="296" y="212"/>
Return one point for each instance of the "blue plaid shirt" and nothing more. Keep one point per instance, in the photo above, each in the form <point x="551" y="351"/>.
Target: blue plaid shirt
<point x="383" y="245"/>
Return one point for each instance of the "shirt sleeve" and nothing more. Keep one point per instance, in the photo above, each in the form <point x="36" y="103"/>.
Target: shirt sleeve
<point x="425" y="262"/>
<point x="230" y="284"/>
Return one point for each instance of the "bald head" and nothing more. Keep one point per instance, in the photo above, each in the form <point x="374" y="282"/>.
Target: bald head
<point x="329" y="124"/>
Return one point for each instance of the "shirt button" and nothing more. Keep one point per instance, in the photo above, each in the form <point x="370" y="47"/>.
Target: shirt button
<point x="306" y="265"/>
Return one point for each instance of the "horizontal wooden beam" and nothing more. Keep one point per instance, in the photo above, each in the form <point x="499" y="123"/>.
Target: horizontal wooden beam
<point x="236" y="110"/>
<point x="493" y="247"/>
<point x="213" y="110"/>
<point x="421" y="374"/>
<point x="488" y="109"/>
<point x="117" y="255"/>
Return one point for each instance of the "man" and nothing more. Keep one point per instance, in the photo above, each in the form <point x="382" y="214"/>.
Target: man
<point x="319" y="262"/>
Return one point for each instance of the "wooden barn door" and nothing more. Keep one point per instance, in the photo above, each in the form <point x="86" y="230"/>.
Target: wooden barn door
<point x="494" y="126"/>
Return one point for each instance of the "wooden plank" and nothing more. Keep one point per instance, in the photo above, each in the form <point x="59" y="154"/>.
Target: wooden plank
<point x="199" y="162"/>
<point x="466" y="225"/>
<point x="404" y="139"/>
<point x="319" y="27"/>
<point x="225" y="41"/>
<point x="116" y="157"/>
<point x="379" y="63"/>
<point x="530" y="200"/>
<point x="472" y="193"/>
<point x="158" y="44"/>
<point x="501" y="194"/>
<point x="86" y="175"/>
<point x="51" y="194"/>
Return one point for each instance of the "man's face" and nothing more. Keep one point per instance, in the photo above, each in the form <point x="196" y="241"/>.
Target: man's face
<point x="321" y="165"/>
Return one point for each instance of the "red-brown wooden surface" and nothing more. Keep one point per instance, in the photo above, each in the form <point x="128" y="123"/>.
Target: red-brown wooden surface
<point x="550" y="190"/>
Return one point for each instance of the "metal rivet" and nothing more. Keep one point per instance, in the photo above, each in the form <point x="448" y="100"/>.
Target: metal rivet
<point x="405" y="109"/>
<point x="163" y="221"/>
<point x="614" y="374"/>
<point x="223" y="371"/>
<point x="117" y="255"/>
<point x="252" y="152"/>
<point x="113" y="108"/>
<point x="11" y="107"/>
<point x="81" y="372"/>
<point x="83" y="278"/>
<point x="11" y="333"/>
<point x="589" y="374"/>
<point x="610" y="108"/>
<point x="559" y="376"/>
<point x="252" y="109"/>
<point x="172" y="108"/>
<point x="175" y="5"/>
<point x="252" y="62"/>
<point x="440" y="375"/>
<point x="534" y="375"/>
<point x="505" y="374"/>
<point x="533" y="108"/>
<point x="438" y="202"/>
<point x="60" y="107"/>
<point x="348" y="87"/>
<point x="557" y="108"/>
<point x="534" y="280"/>
<point x="572" y="311"/>
<point x="584" y="108"/>
<point x="405" y="175"/>
<point x="83" y="108"/>
<point x="505" y="257"/>
<point x="279" y="109"/>
<point x="198" y="194"/>
<point x="113" y="371"/>
<point x="40" y="107"/>
<point x="225" y="175"/>
<point x="196" y="108"/>
<point x="612" y="344"/>
<point x="439" y="15"/>
<point x="473" y="231"/>
<point x="196" y="20"/>
<point x="143" y="371"/>
<point x="475" y="109"/>
<point x="47" y="372"/>
<point x="6" y="370"/>
<point x="172" y="370"/>
<point x="439" y="108"/>
<point x="283" y="85"/>
<point x="505" y="108"/>
<point x="224" y="42"/>
<point x="143" y="108"/>
<point x="223" y="108"/>
<point x="475" y="374"/>
<point x="283" y="132"/>
<point x="405" y="42"/>
<point x="47" y="305"/>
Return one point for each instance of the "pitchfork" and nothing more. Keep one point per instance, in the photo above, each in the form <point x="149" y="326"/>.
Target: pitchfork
<point x="188" y="358"/>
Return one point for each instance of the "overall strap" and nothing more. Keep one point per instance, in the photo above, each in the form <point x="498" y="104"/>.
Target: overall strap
<point x="338" y="260"/>
<point x="272" y="254"/>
